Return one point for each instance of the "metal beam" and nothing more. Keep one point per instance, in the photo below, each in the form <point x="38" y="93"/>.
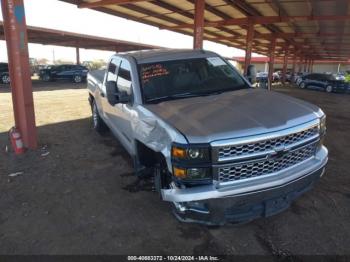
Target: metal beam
<point x="109" y="2"/>
<point x="21" y="84"/>
<point x="263" y="20"/>
<point x="199" y="8"/>
<point x="77" y="52"/>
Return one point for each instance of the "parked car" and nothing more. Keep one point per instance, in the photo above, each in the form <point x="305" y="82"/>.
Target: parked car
<point x="299" y="77"/>
<point x="215" y="147"/>
<point x="4" y="73"/>
<point x="340" y="77"/>
<point x="75" y="73"/>
<point x="261" y="76"/>
<point x="324" y="82"/>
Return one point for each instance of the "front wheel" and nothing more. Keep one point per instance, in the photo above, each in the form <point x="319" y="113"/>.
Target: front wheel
<point x="5" y="79"/>
<point x="329" y="89"/>
<point x="162" y="178"/>
<point x="77" y="79"/>
<point x="302" y="85"/>
<point x="98" y="124"/>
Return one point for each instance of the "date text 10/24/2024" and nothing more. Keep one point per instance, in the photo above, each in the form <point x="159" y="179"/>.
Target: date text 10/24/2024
<point x="173" y="258"/>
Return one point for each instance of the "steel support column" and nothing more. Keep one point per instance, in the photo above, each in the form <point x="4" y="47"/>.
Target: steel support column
<point x="305" y="65"/>
<point x="312" y="66"/>
<point x="198" y="24"/>
<point x="300" y="63"/>
<point x="77" y="51"/>
<point x="249" y="47"/>
<point x="285" y="63"/>
<point x="18" y="57"/>
<point x="271" y="62"/>
<point x="293" y="67"/>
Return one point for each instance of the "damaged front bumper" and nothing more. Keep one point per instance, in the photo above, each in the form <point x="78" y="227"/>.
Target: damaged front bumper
<point x="245" y="200"/>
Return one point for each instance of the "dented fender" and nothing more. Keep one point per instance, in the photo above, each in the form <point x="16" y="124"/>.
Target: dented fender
<point x="155" y="133"/>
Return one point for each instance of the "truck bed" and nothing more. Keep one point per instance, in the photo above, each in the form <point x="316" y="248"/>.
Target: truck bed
<point x="98" y="75"/>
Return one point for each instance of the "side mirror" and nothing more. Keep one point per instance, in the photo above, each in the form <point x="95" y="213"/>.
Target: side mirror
<point x="123" y="97"/>
<point x="251" y="74"/>
<point x="114" y="96"/>
<point x="111" y="92"/>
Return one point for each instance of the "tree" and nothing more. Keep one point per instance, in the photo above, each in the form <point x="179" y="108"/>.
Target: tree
<point x="347" y="78"/>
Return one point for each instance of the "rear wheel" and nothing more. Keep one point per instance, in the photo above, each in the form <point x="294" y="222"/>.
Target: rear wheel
<point x="5" y="79"/>
<point x="77" y="79"/>
<point x="98" y="124"/>
<point x="329" y="89"/>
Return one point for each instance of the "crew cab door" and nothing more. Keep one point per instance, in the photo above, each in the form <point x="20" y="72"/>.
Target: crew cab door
<point x="119" y="115"/>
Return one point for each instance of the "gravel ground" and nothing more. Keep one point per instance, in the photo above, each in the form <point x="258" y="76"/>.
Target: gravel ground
<point x="77" y="194"/>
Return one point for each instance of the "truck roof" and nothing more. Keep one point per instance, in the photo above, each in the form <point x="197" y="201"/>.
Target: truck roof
<point x="157" y="55"/>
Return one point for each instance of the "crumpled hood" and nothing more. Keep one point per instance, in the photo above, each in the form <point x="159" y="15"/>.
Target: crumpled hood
<point x="234" y="114"/>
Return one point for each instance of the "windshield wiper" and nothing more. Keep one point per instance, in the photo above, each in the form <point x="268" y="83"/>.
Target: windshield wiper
<point x="171" y="97"/>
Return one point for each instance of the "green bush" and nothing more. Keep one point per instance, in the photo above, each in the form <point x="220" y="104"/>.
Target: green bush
<point x="347" y="78"/>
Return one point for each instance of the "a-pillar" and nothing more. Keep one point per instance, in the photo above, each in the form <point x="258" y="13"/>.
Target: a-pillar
<point x="271" y="62"/>
<point x="15" y="30"/>
<point x="198" y="24"/>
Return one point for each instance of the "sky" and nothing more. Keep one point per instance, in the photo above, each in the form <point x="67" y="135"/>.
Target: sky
<point x="63" y="16"/>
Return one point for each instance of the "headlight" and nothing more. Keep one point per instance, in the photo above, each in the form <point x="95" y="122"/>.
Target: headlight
<point x="194" y="154"/>
<point x="191" y="163"/>
<point x="323" y="127"/>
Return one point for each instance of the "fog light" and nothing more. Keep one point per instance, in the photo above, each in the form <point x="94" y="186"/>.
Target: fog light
<point x="180" y="172"/>
<point x="198" y="173"/>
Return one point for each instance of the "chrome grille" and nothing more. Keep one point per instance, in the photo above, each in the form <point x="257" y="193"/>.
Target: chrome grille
<point x="242" y="150"/>
<point x="265" y="166"/>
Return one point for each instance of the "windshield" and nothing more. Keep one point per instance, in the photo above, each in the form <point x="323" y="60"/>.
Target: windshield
<point x="187" y="78"/>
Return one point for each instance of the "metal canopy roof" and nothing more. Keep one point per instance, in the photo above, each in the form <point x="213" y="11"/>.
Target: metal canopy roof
<point x="47" y="36"/>
<point x="318" y="29"/>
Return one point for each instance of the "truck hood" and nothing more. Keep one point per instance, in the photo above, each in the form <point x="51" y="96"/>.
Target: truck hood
<point x="234" y="114"/>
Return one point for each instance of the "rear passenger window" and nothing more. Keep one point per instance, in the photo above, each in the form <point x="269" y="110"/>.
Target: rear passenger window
<point x="124" y="77"/>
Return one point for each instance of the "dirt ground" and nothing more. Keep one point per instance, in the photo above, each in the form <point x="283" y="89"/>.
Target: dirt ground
<point x="81" y="197"/>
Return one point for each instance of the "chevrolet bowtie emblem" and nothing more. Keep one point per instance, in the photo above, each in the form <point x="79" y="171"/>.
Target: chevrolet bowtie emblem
<point x="278" y="152"/>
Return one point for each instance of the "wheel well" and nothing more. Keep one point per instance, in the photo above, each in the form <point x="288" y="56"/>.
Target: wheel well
<point x="91" y="99"/>
<point x="146" y="156"/>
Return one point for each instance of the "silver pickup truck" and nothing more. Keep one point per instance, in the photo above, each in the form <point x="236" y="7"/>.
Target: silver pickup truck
<point x="219" y="150"/>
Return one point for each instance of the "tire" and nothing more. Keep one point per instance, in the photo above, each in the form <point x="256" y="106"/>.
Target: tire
<point x="302" y="85"/>
<point x="97" y="122"/>
<point x="46" y="78"/>
<point x="5" y="79"/>
<point x="329" y="89"/>
<point x="161" y="177"/>
<point x="77" y="79"/>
